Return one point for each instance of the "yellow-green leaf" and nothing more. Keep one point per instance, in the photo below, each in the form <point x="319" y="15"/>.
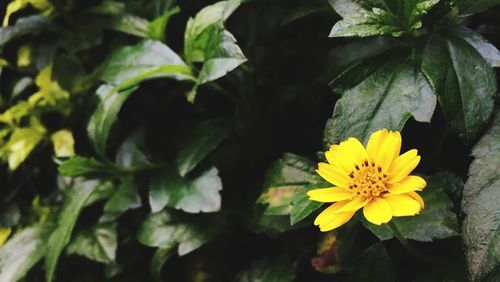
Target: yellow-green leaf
<point x="64" y="143"/>
<point x="22" y="142"/>
<point x="4" y="234"/>
<point x="16" y="5"/>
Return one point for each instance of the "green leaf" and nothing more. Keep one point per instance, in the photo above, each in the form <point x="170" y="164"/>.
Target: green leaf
<point x="301" y="205"/>
<point x="283" y="179"/>
<point x="156" y="29"/>
<point x="105" y="115"/>
<point x="129" y="24"/>
<point x="202" y="140"/>
<point x="487" y="50"/>
<point x="97" y="243"/>
<point x="159" y="259"/>
<point x="386" y="99"/>
<point x="277" y="270"/>
<point x="23" y="26"/>
<point x="464" y="82"/>
<point x="169" y="230"/>
<point x="436" y="221"/>
<point x="21" y="143"/>
<point x="374" y="264"/>
<point x="209" y="16"/>
<point x="481" y="227"/>
<point x="475" y="6"/>
<point x="131" y="154"/>
<point x="222" y="55"/>
<point x="148" y="59"/>
<point x="371" y="18"/>
<point x="81" y="166"/>
<point x="124" y="199"/>
<point x="74" y="202"/>
<point x="169" y="189"/>
<point x="22" y="252"/>
<point x="206" y="40"/>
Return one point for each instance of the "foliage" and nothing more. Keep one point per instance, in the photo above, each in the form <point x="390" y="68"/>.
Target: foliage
<point x="176" y="140"/>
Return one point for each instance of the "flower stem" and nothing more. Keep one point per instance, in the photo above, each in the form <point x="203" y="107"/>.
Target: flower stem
<point x="411" y="249"/>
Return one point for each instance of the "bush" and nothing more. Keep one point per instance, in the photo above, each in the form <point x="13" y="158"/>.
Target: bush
<point x="160" y="139"/>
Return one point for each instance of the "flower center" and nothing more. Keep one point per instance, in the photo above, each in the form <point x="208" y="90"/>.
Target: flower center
<point x="369" y="180"/>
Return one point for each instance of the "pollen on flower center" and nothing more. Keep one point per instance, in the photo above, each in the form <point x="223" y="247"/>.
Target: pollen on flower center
<point x="368" y="180"/>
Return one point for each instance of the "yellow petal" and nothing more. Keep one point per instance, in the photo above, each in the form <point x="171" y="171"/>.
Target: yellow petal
<point x="346" y="155"/>
<point x="389" y="150"/>
<point x="403" y="165"/>
<point x="377" y="211"/>
<point x="333" y="175"/>
<point x="336" y="220"/>
<point x="410" y="183"/>
<point x="374" y="143"/>
<point x="328" y="195"/>
<point x="417" y="198"/>
<point x="335" y="157"/>
<point x="354" y="148"/>
<point x="325" y="215"/>
<point x="402" y="205"/>
<point x="353" y="205"/>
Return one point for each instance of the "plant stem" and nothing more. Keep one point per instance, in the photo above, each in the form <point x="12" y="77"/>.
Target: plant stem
<point x="411" y="249"/>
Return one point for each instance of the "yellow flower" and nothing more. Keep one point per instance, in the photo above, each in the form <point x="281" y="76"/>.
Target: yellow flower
<point x="376" y="179"/>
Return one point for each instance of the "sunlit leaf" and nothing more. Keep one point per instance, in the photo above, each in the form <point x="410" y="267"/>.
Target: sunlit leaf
<point x="168" y="230"/>
<point x="64" y="143"/>
<point x="97" y="243"/>
<point x="201" y="194"/>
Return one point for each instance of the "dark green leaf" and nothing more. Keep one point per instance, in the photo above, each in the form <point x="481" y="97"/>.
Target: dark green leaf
<point x="464" y="82"/>
<point x="105" y="115"/>
<point x="22" y="27"/>
<point x="374" y="264"/>
<point x="301" y="12"/>
<point x="83" y="38"/>
<point x="159" y="258"/>
<point x="200" y="142"/>
<point x="124" y="199"/>
<point x="386" y="99"/>
<point x="278" y="270"/>
<point x="377" y="17"/>
<point x="22" y="252"/>
<point x="81" y="166"/>
<point x="10" y="215"/>
<point x="97" y="243"/>
<point x="168" y="230"/>
<point x="436" y="221"/>
<point x="74" y="202"/>
<point x="489" y="52"/>
<point x="148" y="59"/>
<point x="169" y="189"/>
<point x="475" y="6"/>
<point x="301" y="205"/>
<point x="480" y="203"/>
<point x="354" y="62"/>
